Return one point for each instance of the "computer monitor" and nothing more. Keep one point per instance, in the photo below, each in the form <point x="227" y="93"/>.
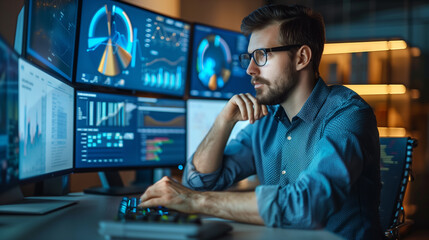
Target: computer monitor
<point x="395" y="169"/>
<point x="215" y="70"/>
<point x="201" y="114"/>
<point x="40" y="125"/>
<point x="122" y="46"/>
<point x="46" y="107"/>
<point x="9" y="161"/>
<point x="51" y="35"/>
<point x="120" y="131"/>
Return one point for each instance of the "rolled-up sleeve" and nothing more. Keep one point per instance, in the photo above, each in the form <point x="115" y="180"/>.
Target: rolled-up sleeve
<point x="323" y="187"/>
<point x="237" y="164"/>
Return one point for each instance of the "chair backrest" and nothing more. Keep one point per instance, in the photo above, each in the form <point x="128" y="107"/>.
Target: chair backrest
<point x="395" y="166"/>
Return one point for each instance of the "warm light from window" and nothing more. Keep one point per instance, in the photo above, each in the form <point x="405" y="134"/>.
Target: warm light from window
<point x="377" y="89"/>
<point x="391" y="132"/>
<point x="372" y="46"/>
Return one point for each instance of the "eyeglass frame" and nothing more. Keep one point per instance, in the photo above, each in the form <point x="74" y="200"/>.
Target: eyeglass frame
<point x="265" y="50"/>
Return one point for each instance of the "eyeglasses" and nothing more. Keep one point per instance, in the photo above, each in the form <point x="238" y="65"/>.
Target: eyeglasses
<point x="260" y="55"/>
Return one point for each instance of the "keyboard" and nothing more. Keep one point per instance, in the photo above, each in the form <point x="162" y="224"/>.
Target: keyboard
<point x="133" y="222"/>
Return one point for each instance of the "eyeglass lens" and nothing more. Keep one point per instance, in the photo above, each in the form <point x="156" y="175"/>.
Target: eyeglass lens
<point x="245" y="60"/>
<point x="259" y="56"/>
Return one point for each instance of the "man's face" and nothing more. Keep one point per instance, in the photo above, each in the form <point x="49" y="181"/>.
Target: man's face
<point x="277" y="78"/>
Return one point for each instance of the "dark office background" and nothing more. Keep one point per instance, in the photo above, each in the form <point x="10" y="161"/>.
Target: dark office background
<point x="346" y="20"/>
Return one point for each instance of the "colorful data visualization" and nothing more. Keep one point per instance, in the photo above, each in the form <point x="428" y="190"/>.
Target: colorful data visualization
<point x="122" y="46"/>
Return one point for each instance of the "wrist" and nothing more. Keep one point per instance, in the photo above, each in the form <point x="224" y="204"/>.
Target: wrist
<point x="198" y="200"/>
<point x="224" y="123"/>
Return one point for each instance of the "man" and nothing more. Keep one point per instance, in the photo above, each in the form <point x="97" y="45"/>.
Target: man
<point x="314" y="148"/>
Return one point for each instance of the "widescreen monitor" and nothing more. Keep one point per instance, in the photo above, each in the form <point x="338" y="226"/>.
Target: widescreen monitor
<point x="122" y="131"/>
<point x="51" y="35"/>
<point x="201" y="114"/>
<point x="46" y="114"/>
<point x="216" y="71"/>
<point x="9" y="161"/>
<point x="122" y="46"/>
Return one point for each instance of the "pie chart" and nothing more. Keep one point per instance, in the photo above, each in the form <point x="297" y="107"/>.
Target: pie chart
<point x="213" y="62"/>
<point x="110" y="38"/>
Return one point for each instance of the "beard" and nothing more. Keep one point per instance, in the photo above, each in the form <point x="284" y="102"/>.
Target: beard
<point x="277" y="91"/>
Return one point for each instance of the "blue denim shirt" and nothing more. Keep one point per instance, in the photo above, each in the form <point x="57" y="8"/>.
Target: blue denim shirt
<point x="320" y="170"/>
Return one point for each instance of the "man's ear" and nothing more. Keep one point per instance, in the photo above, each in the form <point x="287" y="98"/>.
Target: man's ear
<point x="303" y="57"/>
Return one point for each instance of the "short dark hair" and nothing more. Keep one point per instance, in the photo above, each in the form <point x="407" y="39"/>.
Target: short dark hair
<point x="299" y="25"/>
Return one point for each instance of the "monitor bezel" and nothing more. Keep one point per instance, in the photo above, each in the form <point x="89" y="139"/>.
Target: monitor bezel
<point x="62" y="172"/>
<point x="125" y="168"/>
<point x="31" y="58"/>
<point x="80" y="85"/>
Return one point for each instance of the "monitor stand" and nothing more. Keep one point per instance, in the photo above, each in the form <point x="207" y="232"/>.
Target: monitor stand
<point x="112" y="185"/>
<point x="13" y="202"/>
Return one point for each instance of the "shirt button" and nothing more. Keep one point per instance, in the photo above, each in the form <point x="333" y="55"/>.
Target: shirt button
<point x="283" y="172"/>
<point x="289" y="138"/>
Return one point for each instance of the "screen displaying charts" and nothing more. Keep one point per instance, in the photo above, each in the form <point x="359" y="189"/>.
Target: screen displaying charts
<point x="127" y="131"/>
<point x="201" y="115"/>
<point x="8" y="116"/>
<point x="45" y="123"/>
<point x="126" y="47"/>
<point x="216" y="70"/>
<point x="52" y="33"/>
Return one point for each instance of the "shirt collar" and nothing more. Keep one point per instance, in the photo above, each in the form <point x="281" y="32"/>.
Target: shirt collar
<point x="314" y="103"/>
<point x="311" y="107"/>
<point x="277" y="111"/>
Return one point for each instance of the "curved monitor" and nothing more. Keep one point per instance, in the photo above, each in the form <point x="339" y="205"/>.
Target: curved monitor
<point x="126" y="47"/>
<point x="121" y="131"/>
<point x="46" y="110"/>
<point x="8" y="117"/>
<point x="215" y="70"/>
<point x="51" y="35"/>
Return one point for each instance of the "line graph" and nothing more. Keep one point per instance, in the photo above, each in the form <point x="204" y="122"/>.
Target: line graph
<point x="115" y="115"/>
<point x="169" y="62"/>
<point x="112" y="114"/>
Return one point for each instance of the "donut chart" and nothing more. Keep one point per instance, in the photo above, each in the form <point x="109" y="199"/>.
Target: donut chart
<point x="213" y="62"/>
<point x="112" y="30"/>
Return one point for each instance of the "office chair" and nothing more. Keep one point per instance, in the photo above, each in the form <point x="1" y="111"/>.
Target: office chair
<point x="395" y="166"/>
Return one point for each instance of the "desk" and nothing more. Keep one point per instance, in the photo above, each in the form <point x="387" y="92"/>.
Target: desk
<point x="80" y="221"/>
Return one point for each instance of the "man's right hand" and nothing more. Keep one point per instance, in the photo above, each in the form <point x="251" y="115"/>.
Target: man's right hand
<point x="243" y="107"/>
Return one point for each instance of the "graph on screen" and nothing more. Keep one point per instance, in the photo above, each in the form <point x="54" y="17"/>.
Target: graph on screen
<point x="155" y="146"/>
<point x="46" y="125"/>
<point x="133" y="131"/>
<point x="32" y="126"/>
<point x="215" y="69"/>
<point x="150" y="121"/>
<point x="213" y="62"/>
<point x="126" y="47"/>
<point x="111" y="30"/>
